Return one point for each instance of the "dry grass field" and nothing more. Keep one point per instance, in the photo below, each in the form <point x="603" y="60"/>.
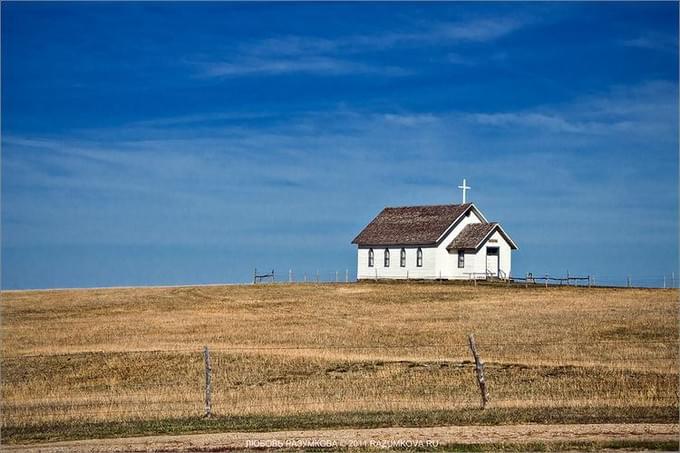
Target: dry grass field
<point x="108" y="362"/>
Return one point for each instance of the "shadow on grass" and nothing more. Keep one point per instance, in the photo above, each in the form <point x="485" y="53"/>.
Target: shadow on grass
<point x="75" y="430"/>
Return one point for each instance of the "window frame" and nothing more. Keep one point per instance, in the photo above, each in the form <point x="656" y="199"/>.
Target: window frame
<point x="402" y="257"/>
<point x="461" y="259"/>
<point x="386" y="258"/>
<point x="419" y="257"/>
<point x="371" y="258"/>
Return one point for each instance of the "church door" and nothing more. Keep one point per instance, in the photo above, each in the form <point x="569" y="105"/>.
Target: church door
<point x="492" y="261"/>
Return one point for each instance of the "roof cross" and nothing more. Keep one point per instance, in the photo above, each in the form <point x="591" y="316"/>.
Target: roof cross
<point x="465" y="188"/>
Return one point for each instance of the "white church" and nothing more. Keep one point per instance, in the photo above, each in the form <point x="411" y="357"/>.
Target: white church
<point x="445" y="242"/>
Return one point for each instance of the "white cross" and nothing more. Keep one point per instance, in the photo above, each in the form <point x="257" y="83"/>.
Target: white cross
<point x="465" y="188"/>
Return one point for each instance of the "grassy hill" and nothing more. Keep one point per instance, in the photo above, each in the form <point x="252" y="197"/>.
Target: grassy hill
<point x="83" y="363"/>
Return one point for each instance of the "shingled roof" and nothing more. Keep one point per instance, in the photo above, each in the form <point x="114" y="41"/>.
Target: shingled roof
<point x="471" y="236"/>
<point x="411" y="225"/>
<point x="474" y="234"/>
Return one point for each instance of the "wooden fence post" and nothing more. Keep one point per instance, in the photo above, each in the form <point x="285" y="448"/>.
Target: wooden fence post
<point x="526" y="282"/>
<point x="664" y="281"/>
<point x="208" y="382"/>
<point x="479" y="368"/>
<point x="546" y="280"/>
<point x="628" y="281"/>
<point x="589" y="281"/>
<point x="255" y="276"/>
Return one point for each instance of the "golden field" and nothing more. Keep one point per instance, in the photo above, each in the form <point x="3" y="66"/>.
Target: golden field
<point x="123" y="355"/>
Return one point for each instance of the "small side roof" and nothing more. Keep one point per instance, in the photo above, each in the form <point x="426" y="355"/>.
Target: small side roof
<point x="411" y="225"/>
<point x="473" y="236"/>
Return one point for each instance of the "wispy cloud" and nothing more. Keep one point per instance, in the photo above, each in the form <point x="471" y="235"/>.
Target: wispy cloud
<point x="634" y="110"/>
<point x="540" y="120"/>
<point x="338" y="56"/>
<point x="410" y="119"/>
<point x="438" y="33"/>
<point x="303" y="65"/>
<point x="653" y="41"/>
<point x="478" y="30"/>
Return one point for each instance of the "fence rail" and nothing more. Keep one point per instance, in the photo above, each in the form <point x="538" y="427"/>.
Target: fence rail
<point x="666" y="281"/>
<point x="259" y="278"/>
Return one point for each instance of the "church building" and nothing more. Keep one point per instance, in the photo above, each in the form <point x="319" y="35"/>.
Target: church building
<point x="445" y="242"/>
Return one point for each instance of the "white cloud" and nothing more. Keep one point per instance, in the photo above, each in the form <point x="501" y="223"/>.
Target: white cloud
<point x="539" y="120"/>
<point x="653" y="41"/>
<point x="410" y="119"/>
<point x="306" y="65"/>
<point x="324" y="56"/>
<point x="647" y="109"/>
<point x="478" y="30"/>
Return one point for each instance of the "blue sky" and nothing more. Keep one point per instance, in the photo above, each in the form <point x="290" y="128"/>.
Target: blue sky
<point x="171" y="143"/>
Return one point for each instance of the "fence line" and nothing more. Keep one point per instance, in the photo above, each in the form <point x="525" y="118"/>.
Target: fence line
<point x="215" y="383"/>
<point x="666" y="281"/>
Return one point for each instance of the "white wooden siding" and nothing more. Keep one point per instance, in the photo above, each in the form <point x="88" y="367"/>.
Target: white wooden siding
<point x="447" y="262"/>
<point x="503" y="249"/>
<point x="428" y="269"/>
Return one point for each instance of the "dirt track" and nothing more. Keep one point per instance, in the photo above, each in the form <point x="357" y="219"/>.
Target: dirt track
<point x="374" y="438"/>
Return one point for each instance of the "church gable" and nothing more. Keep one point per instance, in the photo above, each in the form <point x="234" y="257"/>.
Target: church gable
<point x="411" y="225"/>
<point x="473" y="236"/>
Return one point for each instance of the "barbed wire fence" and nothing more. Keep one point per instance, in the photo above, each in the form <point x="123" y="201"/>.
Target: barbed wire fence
<point x="669" y="280"/>
<point x="217" y="388"/>
<point x="315" y="276"/>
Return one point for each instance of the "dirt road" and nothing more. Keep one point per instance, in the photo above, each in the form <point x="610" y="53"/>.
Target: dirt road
<point x="373" y="438"/>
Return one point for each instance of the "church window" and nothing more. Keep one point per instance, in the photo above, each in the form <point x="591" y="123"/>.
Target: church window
<point x="461" y="259"/>
<point x="402" y="258"/>
<point x="370" y="257"/>
<point x="387" y="258"/>
<point x="419" y="257"/>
